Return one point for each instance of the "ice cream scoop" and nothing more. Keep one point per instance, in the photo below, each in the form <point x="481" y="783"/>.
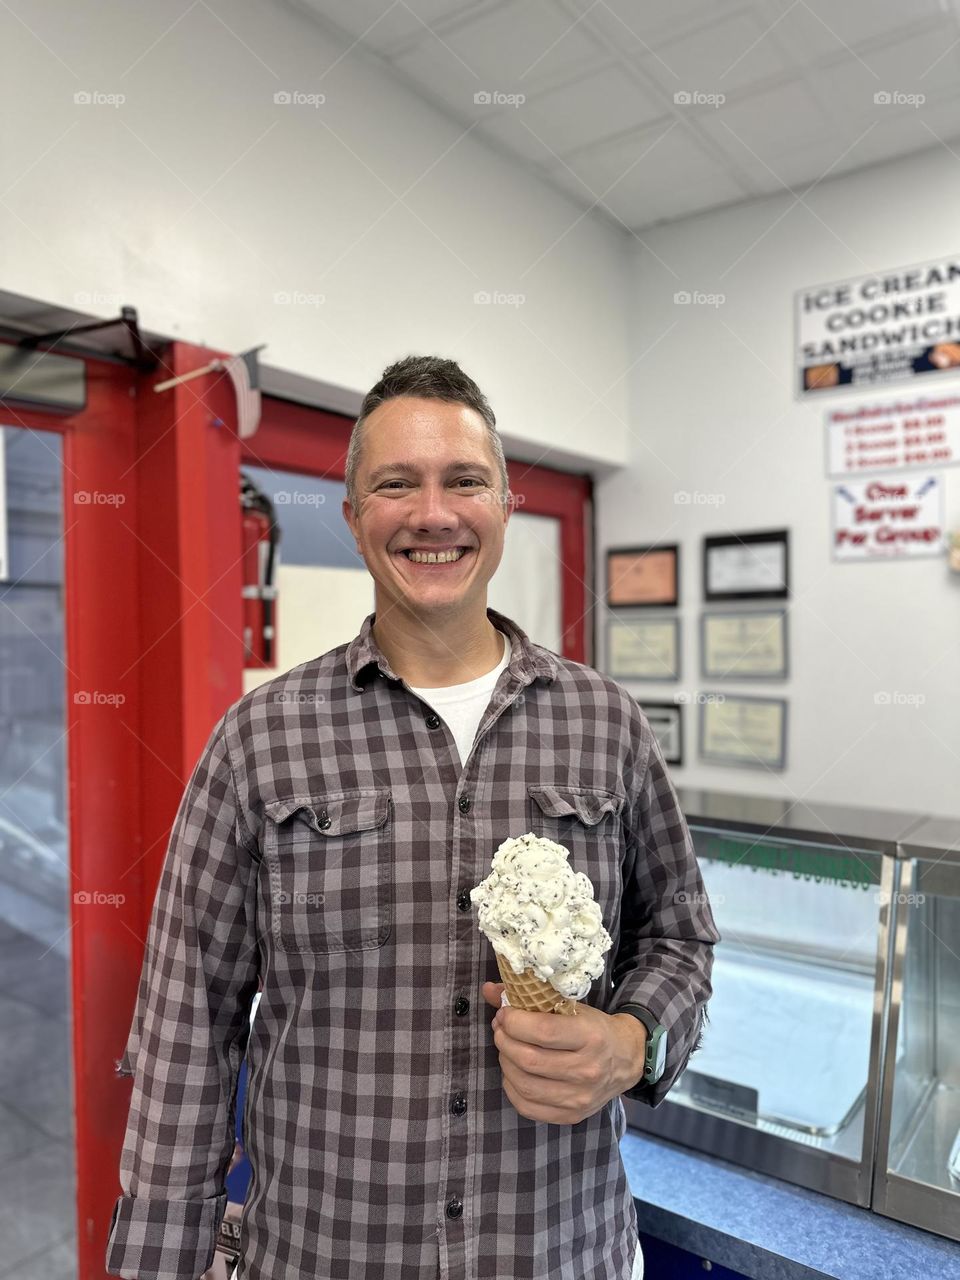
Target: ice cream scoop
<point x="541" y="917"/>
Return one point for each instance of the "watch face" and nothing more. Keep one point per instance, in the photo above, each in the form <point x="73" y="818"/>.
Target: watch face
<point x="661" y="1055"/>
<point x="656" y="1054"/>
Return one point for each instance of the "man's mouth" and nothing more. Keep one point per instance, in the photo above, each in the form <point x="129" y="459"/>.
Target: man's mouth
<point x="450" y="555"/>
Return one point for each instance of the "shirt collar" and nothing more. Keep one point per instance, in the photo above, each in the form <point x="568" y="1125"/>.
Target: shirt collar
<point x="527" y="660"/>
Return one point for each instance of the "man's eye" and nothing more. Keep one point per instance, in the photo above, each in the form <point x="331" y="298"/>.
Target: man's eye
<point x="469" y="480"/>
<point x="388" y="483"/>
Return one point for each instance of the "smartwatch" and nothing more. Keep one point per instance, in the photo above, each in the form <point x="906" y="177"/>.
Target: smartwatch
<point x="655" y="1056"/>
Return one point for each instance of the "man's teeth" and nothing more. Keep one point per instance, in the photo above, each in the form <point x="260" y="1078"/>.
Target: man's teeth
<point x="434" y="557"/>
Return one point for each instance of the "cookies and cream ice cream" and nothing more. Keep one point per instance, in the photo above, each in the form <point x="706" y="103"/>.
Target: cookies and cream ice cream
<point x="540" y="915"/>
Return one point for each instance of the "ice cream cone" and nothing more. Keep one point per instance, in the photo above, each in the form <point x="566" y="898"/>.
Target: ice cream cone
<point x="527" y="991"/>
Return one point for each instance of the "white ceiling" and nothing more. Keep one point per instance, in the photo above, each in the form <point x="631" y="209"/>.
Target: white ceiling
<point x="601" y="119"/>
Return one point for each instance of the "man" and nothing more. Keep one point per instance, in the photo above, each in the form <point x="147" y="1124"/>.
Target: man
<point x="328" y="841"/>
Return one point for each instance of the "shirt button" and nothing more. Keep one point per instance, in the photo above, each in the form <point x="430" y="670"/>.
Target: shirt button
<point x="464" y="804"/>
<point x="324" y="820"/>
<point x="459" y="1105"/>
<point x="432" y="722"/>
<point x="454" y="1207"/>
<point x="463" y="900"/>
<point x="462" y="1006"/>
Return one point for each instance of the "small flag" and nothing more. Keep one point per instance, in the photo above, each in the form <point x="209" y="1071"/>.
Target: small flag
<point x="244" y="373"/>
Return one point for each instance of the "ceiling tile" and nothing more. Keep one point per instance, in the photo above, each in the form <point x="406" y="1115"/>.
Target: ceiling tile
<point x="638" y="28"/>
<point x="763" y="124"/>
<point x="826" y="158"/>
<point x="800" y="35"/>
<point x="591" y="109"/>
<point x="856" y="97"/>
<point x="383" y="24"/>
<point x="924" y="64"/>
<point x="517" y="46"/>
<point x="720" y="58"/>
<point x="851" y="22"/>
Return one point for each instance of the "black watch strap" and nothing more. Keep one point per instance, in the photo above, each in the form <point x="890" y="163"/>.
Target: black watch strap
<point x="654" y="1061"/>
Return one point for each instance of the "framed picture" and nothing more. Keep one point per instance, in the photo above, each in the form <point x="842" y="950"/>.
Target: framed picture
<point x="643" y="648"/>
<point x="643" y="577"/>
<point x="747" y="566"/>
<point x="742" y="645"/>
<point x="666" y="721"/>
<point x="744" y="731"/>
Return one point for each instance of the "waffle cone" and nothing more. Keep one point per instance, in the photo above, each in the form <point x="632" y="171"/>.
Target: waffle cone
<point x="527" y="991"/>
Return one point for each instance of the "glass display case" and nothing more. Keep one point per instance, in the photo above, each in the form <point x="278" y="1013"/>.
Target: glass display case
<point x="918" y="1157"/>
<point x="787" y="1078"/>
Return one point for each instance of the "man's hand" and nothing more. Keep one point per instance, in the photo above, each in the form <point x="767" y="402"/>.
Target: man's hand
<point x="559" y="1070"/>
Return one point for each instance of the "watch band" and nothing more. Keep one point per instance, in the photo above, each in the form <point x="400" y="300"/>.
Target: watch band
<point x="656" y="1047"/>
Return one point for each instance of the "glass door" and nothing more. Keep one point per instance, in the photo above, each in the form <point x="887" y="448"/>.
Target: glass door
<point x="38" y="1174"/>
<point x="68" y="810"/>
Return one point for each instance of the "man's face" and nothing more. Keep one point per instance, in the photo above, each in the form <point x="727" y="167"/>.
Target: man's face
<point x="427" y="481"/>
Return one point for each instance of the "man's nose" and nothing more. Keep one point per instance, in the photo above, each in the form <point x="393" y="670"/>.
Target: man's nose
<point x="432" y="508"/>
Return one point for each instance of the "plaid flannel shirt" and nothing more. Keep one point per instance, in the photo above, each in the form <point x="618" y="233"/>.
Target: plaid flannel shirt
<point x="327" y="842"/>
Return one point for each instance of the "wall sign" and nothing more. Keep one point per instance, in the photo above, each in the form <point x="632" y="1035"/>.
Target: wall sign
<point x="643" y="648"/>
<point x="917" y="432"/>
<point x="886" y="327"/>
<point x="750" y="732"/>
<point x="643" y="576"/>
<point x="888" y="517"/>
<point x="744" y="646"/>
<point x="666" y="721"/>
<point x="747" y="566"/>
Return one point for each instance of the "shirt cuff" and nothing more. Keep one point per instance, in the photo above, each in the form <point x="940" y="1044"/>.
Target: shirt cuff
<point x="680" y="1041"/>
<point x="163" y="1239"/>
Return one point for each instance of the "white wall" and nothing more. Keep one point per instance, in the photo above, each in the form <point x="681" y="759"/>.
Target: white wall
<point x="714" y="414"/>
<point x="198" y="200"/>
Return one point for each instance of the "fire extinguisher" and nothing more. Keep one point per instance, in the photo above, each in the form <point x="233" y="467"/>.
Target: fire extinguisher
<point x="261" y="533"/>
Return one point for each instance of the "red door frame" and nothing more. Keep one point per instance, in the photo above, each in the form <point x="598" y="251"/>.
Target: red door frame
<point x="294" y="437"/>
<point x="153" y="579"/>
<point x="153" y="617"/>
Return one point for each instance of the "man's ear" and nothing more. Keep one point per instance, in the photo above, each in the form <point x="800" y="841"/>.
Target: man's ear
<point x="508" y="506"/>
<point x="351" y="520"/>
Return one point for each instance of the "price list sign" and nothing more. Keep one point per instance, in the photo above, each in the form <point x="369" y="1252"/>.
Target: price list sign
<point x="914" y="433"/>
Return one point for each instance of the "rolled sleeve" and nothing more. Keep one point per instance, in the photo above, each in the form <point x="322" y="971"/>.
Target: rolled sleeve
<point x="163" y="1237"/>
<point x="188" y="1035"/>
<point x="667" y="931"/>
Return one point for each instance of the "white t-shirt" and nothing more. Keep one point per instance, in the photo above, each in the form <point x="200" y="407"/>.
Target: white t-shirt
<point x="462" y="705"/>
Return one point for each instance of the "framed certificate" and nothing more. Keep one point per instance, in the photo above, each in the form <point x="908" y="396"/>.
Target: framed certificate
<point x="643" y="577"/>
<point x="666" y="721"/>
<point x="747" y="566"/>
<point x="739" y="645"/>
<point x="750" y="732"/>
<point x="642" y="648"/>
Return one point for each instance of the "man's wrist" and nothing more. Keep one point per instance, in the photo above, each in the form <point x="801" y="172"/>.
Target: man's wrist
<point x="655" y="1047"/>
<point x="637" y="1035"/>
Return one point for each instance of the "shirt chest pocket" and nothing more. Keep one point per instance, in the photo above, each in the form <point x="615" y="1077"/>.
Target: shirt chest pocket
<point x="329" y="871"/>
<point x="586" y="821"/>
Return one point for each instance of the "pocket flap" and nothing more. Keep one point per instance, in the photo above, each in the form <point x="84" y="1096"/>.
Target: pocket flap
<point x="585" y="803"/>
<point x="338" y="814"/>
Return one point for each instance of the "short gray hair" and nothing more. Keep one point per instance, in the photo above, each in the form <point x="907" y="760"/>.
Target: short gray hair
<point x="431" y="378"/>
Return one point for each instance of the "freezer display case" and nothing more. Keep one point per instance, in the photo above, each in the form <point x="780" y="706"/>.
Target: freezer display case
<point x="787" y="1077"/>
<point x="918" y="1156"/>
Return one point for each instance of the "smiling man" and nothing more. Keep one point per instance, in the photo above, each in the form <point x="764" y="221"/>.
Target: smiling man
<point x="327" y="844"/>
